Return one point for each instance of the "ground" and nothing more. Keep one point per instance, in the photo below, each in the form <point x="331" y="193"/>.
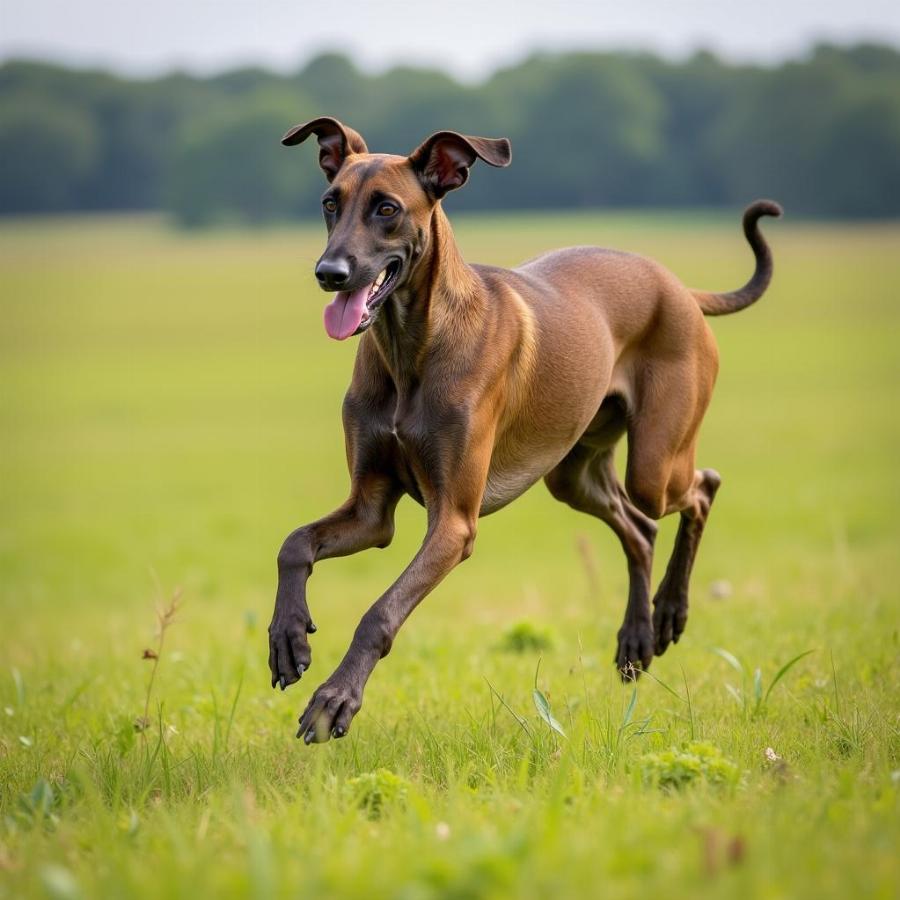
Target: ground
<point x="170" y="410"/>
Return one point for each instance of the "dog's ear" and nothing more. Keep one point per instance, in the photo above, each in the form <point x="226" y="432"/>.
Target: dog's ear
<point x="336" y="142"/>
<point x="442" y="162"/>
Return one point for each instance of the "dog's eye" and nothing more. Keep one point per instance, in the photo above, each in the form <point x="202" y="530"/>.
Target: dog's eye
<point x="329" y="205"/>
<point x="386" y="210"/>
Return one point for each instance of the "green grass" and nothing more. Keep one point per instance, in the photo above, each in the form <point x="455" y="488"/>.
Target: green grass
<point x="169" y="410"/>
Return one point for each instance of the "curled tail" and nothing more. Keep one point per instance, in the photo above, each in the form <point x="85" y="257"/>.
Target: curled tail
<point x="734" y="301"/>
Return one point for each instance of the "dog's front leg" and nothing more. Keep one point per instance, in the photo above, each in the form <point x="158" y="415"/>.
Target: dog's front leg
<point x="449" y="540"/>
<point x="365" y="520"/>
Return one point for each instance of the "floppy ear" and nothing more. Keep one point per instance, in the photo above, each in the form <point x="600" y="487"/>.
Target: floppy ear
<point x="442" y="162"/>
<point x="336" y="142"/>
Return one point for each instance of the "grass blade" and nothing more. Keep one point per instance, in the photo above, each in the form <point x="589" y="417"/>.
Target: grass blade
<point x="542" y="705"/>
<point x="626" y="719"/>
<point x="20" y="686"/>
<point x="738" y="696"/>
<point x="509" y="709"/>
<point x="731" y="659"/>
<point x="758" y="687"/>
<point x="645" y="673"/>
<point x="690" y="705"/>
<point x="784" y="670"/>
<point x="234" y="703"/>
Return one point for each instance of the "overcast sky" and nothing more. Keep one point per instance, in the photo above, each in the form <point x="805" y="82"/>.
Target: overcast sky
<point x="467" y="37"/>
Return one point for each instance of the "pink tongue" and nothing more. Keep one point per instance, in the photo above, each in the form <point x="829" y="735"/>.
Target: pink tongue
<point x="345" y="312"/>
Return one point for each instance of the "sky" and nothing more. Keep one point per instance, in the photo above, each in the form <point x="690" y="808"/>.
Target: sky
<point x="469" y="38"/>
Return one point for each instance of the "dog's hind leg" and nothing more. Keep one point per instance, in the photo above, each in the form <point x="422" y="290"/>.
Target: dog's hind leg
<point x="670" y="605"/>
<point x="661" y="479"/>
<point x="586" y="480"/>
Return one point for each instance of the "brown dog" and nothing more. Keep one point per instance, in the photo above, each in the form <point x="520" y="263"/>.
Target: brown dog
<point x="472" y="382"/>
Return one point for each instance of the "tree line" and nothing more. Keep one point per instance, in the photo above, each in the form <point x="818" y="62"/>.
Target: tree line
<point x="820" y="133"/>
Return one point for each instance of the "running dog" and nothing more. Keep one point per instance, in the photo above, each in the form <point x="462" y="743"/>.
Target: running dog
<point x="472" y="382"/>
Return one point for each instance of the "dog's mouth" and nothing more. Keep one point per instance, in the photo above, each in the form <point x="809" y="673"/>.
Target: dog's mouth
<point x="352" y="312"/>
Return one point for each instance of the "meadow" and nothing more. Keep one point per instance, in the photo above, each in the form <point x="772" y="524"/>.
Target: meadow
<point x="169" y="410"/>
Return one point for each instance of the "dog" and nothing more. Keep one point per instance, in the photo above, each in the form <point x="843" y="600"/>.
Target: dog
<point x="471" y="383"/>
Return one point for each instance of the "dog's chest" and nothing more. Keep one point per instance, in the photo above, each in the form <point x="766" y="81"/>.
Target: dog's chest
<point x="410" y="467"/>
<point x="423" y="463"/>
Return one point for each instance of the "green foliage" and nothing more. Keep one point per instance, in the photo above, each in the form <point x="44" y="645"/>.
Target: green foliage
<point x="754" y="701"/>
<point x="526" y="637"/>
<point x="377" y="792"/>
<point x="821" y="133"/>
<point x="696" y="762"/>
<point x="37" y="807"/>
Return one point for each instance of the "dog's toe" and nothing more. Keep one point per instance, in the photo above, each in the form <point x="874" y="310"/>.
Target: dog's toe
<point x="329" y="713"/>
<point x="289" y="651"/>
<point x="635" y="650"/>
<point x="669" y="620"/>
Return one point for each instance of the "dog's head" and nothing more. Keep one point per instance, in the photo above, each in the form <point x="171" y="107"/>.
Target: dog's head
<point x="377" y="210"/>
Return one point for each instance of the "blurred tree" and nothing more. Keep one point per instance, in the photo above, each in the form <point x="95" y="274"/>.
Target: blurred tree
<point x="823" y="136"/>
<point x="229" y="164"/>
<point x="336" y="86"/>
<point x="695" y="95"/>
<point x="867" y="134"/>
<point x="821" y="133"/>
<point x="47" y="151"/>
<point x="592" y="135"/>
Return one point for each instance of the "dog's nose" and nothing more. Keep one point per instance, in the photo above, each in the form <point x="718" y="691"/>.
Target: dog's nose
<point x="333" y="273"/>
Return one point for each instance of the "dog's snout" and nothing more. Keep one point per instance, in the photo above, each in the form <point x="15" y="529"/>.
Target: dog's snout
<point x="333" y="273"/>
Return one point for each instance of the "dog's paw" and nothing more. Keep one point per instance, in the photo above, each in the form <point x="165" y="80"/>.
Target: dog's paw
<point x="330" y="711"/>
<point x="635" y="650"/>
<point x="289" y="651"/>
<point x="670" y="612"/>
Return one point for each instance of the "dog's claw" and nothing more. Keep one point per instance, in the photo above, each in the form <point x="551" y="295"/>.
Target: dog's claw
<point x="635" y="651"/>
<point x="669" y="618"/>
<point x="330" y="711"/>
<point x="289" y="651"/>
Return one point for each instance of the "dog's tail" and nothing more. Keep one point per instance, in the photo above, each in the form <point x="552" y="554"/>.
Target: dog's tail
<point x="734" y="301"/>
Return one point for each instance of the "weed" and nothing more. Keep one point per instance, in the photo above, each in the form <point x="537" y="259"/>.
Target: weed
<point x="526" y="637"/>
<point x="754" y="703"/>
<point x="376" y="792"/>
<point x="165" y="617"/>
<point x="542" y="705"/>
<point x="692" y="763"/>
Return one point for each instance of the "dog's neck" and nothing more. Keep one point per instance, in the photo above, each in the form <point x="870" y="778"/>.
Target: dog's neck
<point x="440" y="304"/>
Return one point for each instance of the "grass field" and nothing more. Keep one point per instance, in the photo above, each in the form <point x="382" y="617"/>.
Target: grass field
<point x="169" y="410"/>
